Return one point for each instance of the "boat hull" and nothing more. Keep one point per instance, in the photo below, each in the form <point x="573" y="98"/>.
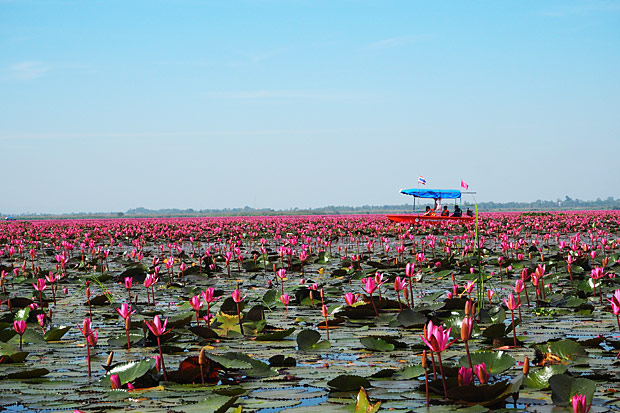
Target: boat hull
<point x="416" y="218"/>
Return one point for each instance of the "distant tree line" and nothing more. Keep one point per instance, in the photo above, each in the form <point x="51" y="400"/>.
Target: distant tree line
<point x="567" y="203"/>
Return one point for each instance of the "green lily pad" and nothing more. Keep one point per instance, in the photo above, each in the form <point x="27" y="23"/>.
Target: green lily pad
<point x="564" y="387"/>
<point x="495" y="362"/>
<point x="28" y="374"/>
<point x="539" y="379"/>
<point x="276" y="335"/>
<point x="128" y="372"/>
<point x="567" y="349"/>
<point x="410" y="318"/>
<point x="376" y="344"/>
<point x="56" y="333"/>
<point x="346" y="382"/>
<point x="310" y="340"/>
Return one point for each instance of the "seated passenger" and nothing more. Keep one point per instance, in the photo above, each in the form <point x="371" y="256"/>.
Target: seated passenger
<point x="470" y="213"/>
<point x="429" y="212"/>
<point x="457" y="212"/>
<point x="445" y="212"/>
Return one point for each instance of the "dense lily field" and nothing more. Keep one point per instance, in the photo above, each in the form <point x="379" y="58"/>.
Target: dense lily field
<point x="313" y="314"/>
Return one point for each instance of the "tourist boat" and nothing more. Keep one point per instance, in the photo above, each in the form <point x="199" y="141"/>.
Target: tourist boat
<point x="437" y="195"/>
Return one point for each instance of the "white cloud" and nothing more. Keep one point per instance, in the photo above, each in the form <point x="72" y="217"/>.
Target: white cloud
<point x="29" y="70"/>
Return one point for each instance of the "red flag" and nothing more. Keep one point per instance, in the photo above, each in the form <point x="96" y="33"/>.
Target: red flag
<point x="464" y="184"/>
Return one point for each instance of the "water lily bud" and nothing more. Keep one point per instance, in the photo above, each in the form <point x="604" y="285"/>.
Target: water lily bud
<point x="127" y="323"/>
<point x="424" y="362"/>
<point x="467" y="308"/>
<point x="115" y="382"/>
<point x="526" y="365"/>
<point x="202" y="358"/>
<point x="110" y="358"/>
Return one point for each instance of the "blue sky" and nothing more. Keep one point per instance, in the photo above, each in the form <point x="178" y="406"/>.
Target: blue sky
<point x="110" y="105"/>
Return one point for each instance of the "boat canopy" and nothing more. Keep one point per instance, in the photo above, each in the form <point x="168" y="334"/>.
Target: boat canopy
<point x="433" y="193"/>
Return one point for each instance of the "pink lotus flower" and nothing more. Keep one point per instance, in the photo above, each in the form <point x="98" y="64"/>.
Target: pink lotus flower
<point x="438" y="339"/>
<point x="40" y="284"/>
<point x="195" y="302"/>
<point x="125" y="310"/>
<point x="128" y="282"/>
<point x="580" y="404"/>
<point x="20" y="328"/>
<point x="285" y="299"/>
<point x="480" y="370"/>
<point x="350" y="298"/>
<point x="466" y="376"/>
<point x="369" y="285"/>
<point x="156" y="327"/>
<point x="236" y="296"/>
<point x="511" y="303"/>
<point x="207" y="295"/>
<point x="115" y="382"/>
<point x="399" y="284"/>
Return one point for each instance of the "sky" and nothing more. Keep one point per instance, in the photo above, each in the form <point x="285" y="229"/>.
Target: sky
<point x="110" y="105"/>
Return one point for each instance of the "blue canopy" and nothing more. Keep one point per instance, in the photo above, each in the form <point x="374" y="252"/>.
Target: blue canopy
<point x="433" y="193"/>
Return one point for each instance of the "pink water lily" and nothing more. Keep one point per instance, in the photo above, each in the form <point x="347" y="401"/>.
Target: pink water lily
<point x="480" y="370"/>
<point x="580" y="404"/>
<point x="158" y="329"/>
<point x="20" y="328"/>
<point x="125" y="310"/>
<point x="466" y="376"/>
<point x="350" y="298"/>
<point x="438" y="341"/>
<point x="285" y="299"/>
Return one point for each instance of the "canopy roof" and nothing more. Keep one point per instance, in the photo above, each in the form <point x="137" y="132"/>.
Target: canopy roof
<point x="433" y="193"/>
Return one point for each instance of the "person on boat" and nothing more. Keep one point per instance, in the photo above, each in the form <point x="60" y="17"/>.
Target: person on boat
<point x="429" y="212"/>
<point x="470" y="213"/>
<point x="457" y="211"/>
<point x="445" y="212"/>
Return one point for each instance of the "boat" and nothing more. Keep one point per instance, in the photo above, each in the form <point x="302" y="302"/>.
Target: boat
<point x="437" y="195"/>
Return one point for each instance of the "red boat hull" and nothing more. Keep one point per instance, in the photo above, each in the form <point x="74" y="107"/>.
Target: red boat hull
<point x="416" y="218"/>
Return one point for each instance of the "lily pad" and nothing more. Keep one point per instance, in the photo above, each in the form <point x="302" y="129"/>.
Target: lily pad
<point x="310" y="340"/>
<point x="376" y="344"/>
<point x="564" y="387"/>
<point x="410" y="318"/>
<point x="128" y="372"/>
<point x="540" y="379"/>
<point x="495" y="362"/>
<point x="346" y="382"/>
<point x="56" y="333"/>
<point x="276" y="335"/>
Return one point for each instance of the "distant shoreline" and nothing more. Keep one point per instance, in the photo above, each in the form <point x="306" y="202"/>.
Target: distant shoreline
<point x="265" y="213"/>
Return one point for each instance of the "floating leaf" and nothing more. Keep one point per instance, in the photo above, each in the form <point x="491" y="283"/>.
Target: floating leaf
<point x="276" y="335"/>
<point x="410" y="318"/>
<point x="539" y="379"/>
<point x="309" y="340"/>
<point x="346" y="382"/>
<point x="376" y="344"/>
<point x="28" y="374"/>
<point x="567" y="349"/>
<point x="410" y="372"/>
<point x="56" y="333"/>
<point x="22" y="314"/>
<point x="495" y="362"/>
<point x="128" y="372"/>
<point x="564" y="387"/>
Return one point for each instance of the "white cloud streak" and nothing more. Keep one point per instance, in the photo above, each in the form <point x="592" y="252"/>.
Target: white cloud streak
<point x="28" y="70"/>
